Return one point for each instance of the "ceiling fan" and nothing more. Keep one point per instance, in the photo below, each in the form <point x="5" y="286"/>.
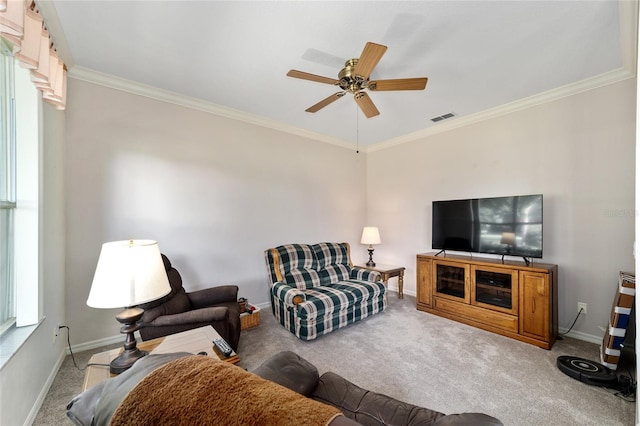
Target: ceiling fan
<point x="354" y="78"/>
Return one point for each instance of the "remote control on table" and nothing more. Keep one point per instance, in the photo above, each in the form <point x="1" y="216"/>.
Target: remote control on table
<point x="223" y="346"/>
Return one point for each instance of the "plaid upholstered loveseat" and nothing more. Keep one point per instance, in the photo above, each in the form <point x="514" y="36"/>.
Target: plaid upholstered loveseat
<point x="315" y="289"/>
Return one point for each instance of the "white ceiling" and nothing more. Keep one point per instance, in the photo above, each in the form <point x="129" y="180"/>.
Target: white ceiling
<point x="478" y="55"/>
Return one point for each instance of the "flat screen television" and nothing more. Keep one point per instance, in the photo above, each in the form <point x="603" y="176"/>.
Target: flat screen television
<point x="499" y="225"/>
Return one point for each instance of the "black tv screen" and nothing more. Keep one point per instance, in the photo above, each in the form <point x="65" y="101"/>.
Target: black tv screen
<point x="500" y="225"/>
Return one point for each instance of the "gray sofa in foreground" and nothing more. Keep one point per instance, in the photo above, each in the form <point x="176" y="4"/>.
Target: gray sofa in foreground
<point x="186" y="389"/>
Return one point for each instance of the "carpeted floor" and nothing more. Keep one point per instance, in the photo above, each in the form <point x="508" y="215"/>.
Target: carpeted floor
<point x="425" y="360"/>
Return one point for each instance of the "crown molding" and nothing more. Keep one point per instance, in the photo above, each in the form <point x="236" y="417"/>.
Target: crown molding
<point x="107" y="80"/>
<point x="511" y="107"/>
<point x="113" y="82"/>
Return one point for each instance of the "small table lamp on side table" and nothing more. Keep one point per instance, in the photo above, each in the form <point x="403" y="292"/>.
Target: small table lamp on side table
<point x="128" y="273"/>
<point x="371" y="236"/>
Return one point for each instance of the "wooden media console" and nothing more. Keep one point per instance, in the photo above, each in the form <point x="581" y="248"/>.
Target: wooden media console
<point x="510" y="298"/>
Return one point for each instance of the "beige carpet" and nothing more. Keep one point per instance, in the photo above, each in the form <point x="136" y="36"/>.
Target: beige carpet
<point x="428" y="361"/>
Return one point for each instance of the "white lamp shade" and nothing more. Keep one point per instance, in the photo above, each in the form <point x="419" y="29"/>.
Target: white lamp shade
<point x="370" y="235"/>
<point x="128" y="273"/>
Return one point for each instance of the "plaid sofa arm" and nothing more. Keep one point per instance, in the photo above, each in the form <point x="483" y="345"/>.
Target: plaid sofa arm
<point x="288" y="294"/>
<point x="365" y="274"/>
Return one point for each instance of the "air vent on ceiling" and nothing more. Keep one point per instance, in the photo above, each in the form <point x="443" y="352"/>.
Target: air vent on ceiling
<point x="443" y="117"/>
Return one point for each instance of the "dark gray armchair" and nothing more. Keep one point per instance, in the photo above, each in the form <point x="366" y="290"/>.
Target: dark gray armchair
<point x="181" y="311"/>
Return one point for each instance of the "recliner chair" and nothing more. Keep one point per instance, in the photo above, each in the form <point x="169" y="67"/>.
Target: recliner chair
<point x="181" y="311"/>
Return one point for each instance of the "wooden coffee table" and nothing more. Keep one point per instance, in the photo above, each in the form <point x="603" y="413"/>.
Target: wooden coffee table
<point x="193" y="341"/>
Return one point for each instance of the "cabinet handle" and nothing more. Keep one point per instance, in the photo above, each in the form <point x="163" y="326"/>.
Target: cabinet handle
<point x="533" y="305"/>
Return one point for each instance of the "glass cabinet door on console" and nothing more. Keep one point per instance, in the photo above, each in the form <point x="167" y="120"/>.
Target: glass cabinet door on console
<point x="495" y="288"/>
<point x="451" y="280"/>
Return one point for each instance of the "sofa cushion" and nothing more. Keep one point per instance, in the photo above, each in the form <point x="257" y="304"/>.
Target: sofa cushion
<point x="331" y="254"/>
<point x="333" y="273"/>
<point x="303" y="278"/>
<point x="177" y="304"/>
<point x="370" y="408"/>
<point x="296" y="256"/>
<point x="361" y="290"/>
<point x="324" y="301"/>
<point x="290" y="370"/>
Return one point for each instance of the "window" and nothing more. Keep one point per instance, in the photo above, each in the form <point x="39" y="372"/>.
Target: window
<point x="20" y="113"/>
<point x="7" y="189"/>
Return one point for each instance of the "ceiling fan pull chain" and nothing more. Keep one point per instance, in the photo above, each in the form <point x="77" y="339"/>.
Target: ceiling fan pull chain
<point x="357" y="132"/>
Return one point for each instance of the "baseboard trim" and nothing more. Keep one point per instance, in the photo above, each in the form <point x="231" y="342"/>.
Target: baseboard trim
<point x="404" y="292"/>
<point x="98" y="343"/>
<point x="44" y="391"/>
<point x="582" y="336"/>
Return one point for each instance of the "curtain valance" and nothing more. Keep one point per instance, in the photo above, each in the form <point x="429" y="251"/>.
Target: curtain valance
<point x="22" y="26"/>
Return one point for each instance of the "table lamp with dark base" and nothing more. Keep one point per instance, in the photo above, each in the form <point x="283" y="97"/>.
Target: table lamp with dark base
<point x="128" y="317"/>
<point x="129" y="273"/>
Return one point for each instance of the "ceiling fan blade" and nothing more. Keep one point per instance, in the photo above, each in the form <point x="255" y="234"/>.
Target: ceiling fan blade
<point x="366" y="104"/>
<point x="326" y="101"/>
<point x="398" y="84"/>
<point x="307" y="76"/>
<point x="371" y="54"/>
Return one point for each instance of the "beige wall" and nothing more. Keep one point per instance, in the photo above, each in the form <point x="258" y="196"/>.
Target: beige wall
<point x="578" y="151"/>
<point x="214" y="192"/>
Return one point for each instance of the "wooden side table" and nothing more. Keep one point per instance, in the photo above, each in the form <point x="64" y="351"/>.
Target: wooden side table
<point x="194" y="341"/>
<point x="389" y="271"/>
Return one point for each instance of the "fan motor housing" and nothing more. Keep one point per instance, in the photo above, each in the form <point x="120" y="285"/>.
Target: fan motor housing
<point x="348" y="79"/>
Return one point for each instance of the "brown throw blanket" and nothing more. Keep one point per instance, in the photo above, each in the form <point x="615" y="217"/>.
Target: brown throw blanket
<point x="199" y="390"/>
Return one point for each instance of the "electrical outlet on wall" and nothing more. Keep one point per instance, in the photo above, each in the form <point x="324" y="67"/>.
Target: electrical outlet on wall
<point x="56" y="331"/>
<point x="583" y="306"/>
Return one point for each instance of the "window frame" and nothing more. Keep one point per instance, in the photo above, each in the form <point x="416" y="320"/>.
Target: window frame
<point x="8" y="202"/>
